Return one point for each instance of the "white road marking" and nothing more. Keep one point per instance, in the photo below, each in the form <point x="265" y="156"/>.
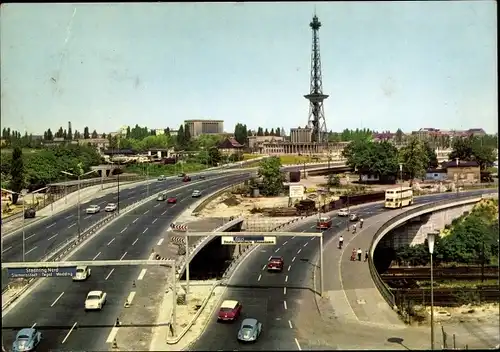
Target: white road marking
<point x="285" y="243"/>
<point x="33" y="326"/>
<point x="299" y="251"/>
<point x="284" y="305"/>
<point x="96" y="256"/>
<point x="293" y="237"/>
<point x="112" y="335"/>
<point x="73" y="224"/>
<point x="48" y="227"/>
<point x="111" y="241"/>
<point x="290" y="324"/>
<point x="298" y="345"/>
<point x="27" y="238"/>
<point x="147" y="211"/>
<point x="154" y="220"/>
<point x="289" y="267"/>
<point x="111" y="272"/>
<point x="157" y="205"/>
<point x="306" y="244"/>
<point x="293" y="259"/>
<point x="133" y="222"/>
<point x="284" y="290"/>
<point x="69" y="332"/>
<point x="145" y="230"/>
<point x="142" y="274"/>
<point x="67" y="217"/>
<point x="123" y="256"/>
<point x="264" y="267"/>
<point x="276" y="251"/>
<point x="125" y="229"/>
<point x="57" y="299"/>
<point x="6" y="249"/>
<point x="163" y="212"/>
<point x="270" y="258"/>
<point x="48" y="239"/>
<point x="160" y="242"/>
<point x="286" y="278"/>
<point x="259" y="278"/>
<point x="31" y="250"/>
<point x="87" y="217"/>
<point x="130" y="297"/>
<point x="135" y="241"/>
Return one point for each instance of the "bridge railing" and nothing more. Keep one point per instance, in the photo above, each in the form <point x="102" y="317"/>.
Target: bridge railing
<point x="389" y="225"/>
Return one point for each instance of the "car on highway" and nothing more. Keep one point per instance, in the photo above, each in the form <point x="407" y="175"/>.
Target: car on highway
<point x="162" y="178"/>
<point x="29" y="213"/>
<point x="353" y="217"/>
<point x="82" y="273"/>
<point x="161" y="197"/>
<point x="343" y="212"/>
<point x="229" y="310"/>
<point x="275" y="264"/>
<point x="95" y="300"/>
<point x="111" y="207"/>
<point x="196" y="194"/>
<point x="250" y="330"/>
<point x="93" y="209"/>
<point x="172" y="200"/>
<point x="186" y="178"/>
<point x="27" y="339"/>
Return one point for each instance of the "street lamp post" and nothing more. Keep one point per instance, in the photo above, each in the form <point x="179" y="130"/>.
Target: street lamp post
<point x="431" y="237"/>
<point x="457" y="160"/>
<point x="78" y="195"/>
<point x="401" y="187"/>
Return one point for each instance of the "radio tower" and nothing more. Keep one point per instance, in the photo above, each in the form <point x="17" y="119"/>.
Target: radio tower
<point x="316" y="112"/>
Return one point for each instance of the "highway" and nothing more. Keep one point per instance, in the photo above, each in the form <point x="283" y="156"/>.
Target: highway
<point x="56" y="305"/>
<point x="275" y="298"/>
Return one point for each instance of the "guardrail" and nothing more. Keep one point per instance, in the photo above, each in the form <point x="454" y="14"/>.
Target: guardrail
<point x="398" y="220"/>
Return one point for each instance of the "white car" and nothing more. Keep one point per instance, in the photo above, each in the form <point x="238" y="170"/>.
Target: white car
<point x="196" y="193"/>
<point x="111" y="207"/>
<point x="82" y="273"/>
<point x="95" y="300"/>
<point x="93" y="209"/>
<point x="343" y="212"/>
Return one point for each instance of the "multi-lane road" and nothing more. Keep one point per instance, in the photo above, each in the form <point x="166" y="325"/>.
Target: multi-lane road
<point x="275" y="298"/>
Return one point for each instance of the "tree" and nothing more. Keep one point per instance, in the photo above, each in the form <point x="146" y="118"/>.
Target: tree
<point x="471" y="149"/>
<point x="399" y="136"/>
<point x="86" y="134"/>
<point x="431" y="155"/>
<point x="94" y="134"/>
<point x="166" y="132"/>
<point x="269" y="170"/>
<point x="180" y="137"/>
<point x="414" y="158"/>
<point x="266" y="132"/>
<point x="65" y="135"/>
<point x="241" y="133"/>
<point x="278" y="132"/>
<point x="376" y="158"/>
<point x="333" y="180"/>
<point x="49" y="135"/>
<point x="60" y="133"/>
<point x="69" y="135"/>
<point x="187" y="135"/>
<point x="17" y="173"/>
<point x="214" y="156"/>
<point x="260" y="131"/>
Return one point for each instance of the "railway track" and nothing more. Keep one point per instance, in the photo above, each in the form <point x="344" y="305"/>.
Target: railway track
<point x="424" y="273"/>
<point x="448" y="296"/>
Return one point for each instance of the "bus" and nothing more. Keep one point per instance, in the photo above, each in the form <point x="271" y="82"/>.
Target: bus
<point x="398" y="197"/>
<point x="324" y="223"/>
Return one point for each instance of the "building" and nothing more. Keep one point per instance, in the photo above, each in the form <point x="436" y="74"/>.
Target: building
<point x="463" y="171"/>
<point x="99" y="143"/>
<point x="197" y="127"/>
<point x="301" y="135"/>
<point x="255" y="141"/>
<point x="436" y="175"/>
<point x="230" y="146"/>
<point x="442" y="154"/>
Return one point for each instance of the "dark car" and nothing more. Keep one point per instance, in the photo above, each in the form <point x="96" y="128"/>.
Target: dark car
<point x="275" y="264"/>
<point x="186" y="178"/>
<point x="29" y="213"/>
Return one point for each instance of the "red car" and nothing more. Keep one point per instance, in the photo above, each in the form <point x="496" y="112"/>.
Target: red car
<point x="186" y="179"/>
<point x="229" y="310"/>
<point x="171" y="200"/>
<point x="275" y="264"/>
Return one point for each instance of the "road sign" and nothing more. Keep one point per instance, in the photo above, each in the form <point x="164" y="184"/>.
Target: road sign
<point x="41" y="272"/>
<point x="296" y="191"/>
<point x="248" y="239"/>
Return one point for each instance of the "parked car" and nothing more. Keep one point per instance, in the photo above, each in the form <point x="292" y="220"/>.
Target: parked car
<point x="162" y="178"/>
<point x="353" y="217"/>
<point x="95" y="300"/>
<point x="82" y="273"/>
<point x="343" y="212"/>
<point x="26" y="340"/>
<point x="250" y="330"/>
<point x="196" y="193"/>
<point x="171" y="200"/>
<point x="29" y="213"/>
<point x="93" y="209"/>
<point x="229" y="310"/>
<point x="111" y="207"/>
<point x="161" y="197"/>
<point x="275" y="264"/>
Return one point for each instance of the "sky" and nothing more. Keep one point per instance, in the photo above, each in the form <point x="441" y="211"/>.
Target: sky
<point x="385" y="65"/>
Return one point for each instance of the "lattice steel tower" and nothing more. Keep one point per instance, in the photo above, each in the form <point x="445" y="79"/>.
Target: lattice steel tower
<point x="316" y="112"/>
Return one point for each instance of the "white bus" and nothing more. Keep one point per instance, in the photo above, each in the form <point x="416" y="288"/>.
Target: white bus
<point x="398" y="197"/>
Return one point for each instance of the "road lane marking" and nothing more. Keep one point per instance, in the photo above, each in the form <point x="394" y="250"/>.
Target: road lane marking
<point x="290" y="324"/>
<point x="270" y="258"/>
<point x="157" y="205"/>
<point x="299" y="250"/>
<point x="96" y="256"/>
<point x="69" y="333"/>
<point x="135" y="241"/>
<point x="48" y="239"/>
<point x="293" y="237"/>
<point x="286" y="278"/>
<point x="276" y="251"/>
<point x="284" y="290"/>
<point x="130" y="297"/>
<point x="31" y="250"/>
<point x="160" y="242"/>
<point x="125" y="229"/>
<point x="87" y="217"/>
<point x="111" y="272"/>
<point x="142" y="274"/>
<point x="154" y="220"/>
<point x="68" y="217"/>
<point x="285" y="243"/>
<point x="27" y="238"/>
<point x="111" y="241"/>
<point x="33" y="326"/>
<point x="163" y="212"/>
<point x="147" y="211"/>
<point x="57" y="299"/>
<point x="133" y="222"/>
<point x="259" y="278"/>
<point x="6" y="249"/>
<point x="145" y="230"/>
<point x="112" y="335"/>
<point x="293" y="259"/>
<point x="48" y="227"/>
<point x="289" y="267"/>
<point x="298" y="345"/>
<point x="73" y="224"/>
<point x="284" y="305"/>
<point x="264" y="267"/>
<point x="123" y="256"/>
<point x="305" y="244"/>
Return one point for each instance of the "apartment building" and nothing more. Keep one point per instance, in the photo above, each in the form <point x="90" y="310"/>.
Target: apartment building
<point x="198" y="127"/>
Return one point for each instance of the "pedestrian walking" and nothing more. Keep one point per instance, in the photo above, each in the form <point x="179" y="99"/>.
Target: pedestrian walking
<point x="341" y="241"/>
<point x="361" y="223"/>
<point x="366" y="255"/>
<point x="359" y="254"/>
<point x="353" y="255"/>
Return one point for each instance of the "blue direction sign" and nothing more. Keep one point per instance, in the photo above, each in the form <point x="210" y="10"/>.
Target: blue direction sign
<point x="41" y="272"/>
